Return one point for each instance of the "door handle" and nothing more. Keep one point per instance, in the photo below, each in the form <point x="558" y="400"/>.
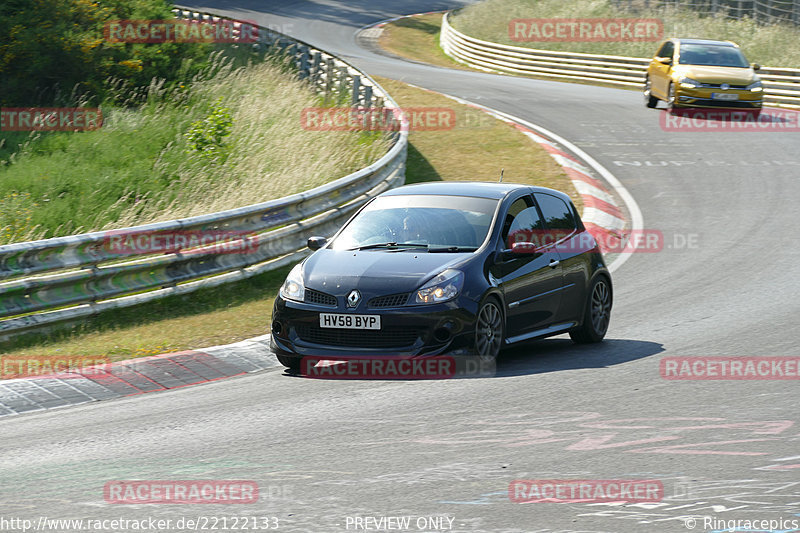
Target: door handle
<point x="554" y="263"/>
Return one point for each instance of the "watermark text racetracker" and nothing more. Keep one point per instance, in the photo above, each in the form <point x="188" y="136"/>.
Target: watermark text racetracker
<point x="609" y="241"/>
<point x="392" y="119"/>
<point x="586" y="30"/>
<point x="717" y="120"/>
<point x="180" y="31"/>
<point x="124" y="242"/>
<point x="50" y="118"/>
<point x="730" y="368"/>
<point x="585" y="490"/>
<point x="397" y="367"/>
<point x="185" y="492"/>
<point x="26" y="366"/>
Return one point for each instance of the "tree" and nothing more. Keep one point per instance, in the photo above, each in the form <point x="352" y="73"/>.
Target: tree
<point x="52" y="52"/>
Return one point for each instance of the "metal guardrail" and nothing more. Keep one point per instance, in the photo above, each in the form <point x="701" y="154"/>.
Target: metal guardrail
<point x="47" y="282"/>
<point x="781" y="85"/>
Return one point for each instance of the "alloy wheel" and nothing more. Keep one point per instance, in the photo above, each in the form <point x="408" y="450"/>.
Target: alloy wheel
<point x="601" y="307"/>
<point x="489" y="331"/>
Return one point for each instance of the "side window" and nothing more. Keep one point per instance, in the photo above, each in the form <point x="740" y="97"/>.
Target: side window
<point x="667" y="49"/>
<point x="518" y="207"/>
<point x="521" y="216"/>
<point x="557" y="214"/>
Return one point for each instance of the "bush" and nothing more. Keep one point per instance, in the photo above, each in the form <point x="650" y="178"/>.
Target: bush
<point x="207" y="136"/>
<point x="53" y="51"/>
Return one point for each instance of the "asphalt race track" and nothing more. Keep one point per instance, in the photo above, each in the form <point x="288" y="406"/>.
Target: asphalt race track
<point x="325" y="452"/>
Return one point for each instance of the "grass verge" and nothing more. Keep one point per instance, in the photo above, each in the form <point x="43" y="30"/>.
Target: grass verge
<point x="773" y="45"/>
<point x="417" y="38"/>
<point x="475" y="149"/>
<point x="207" y="317"/>
<point x="232" y="139"/>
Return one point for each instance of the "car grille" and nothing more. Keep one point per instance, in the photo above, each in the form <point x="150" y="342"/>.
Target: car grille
<point x="390" y="337"/>
<point x="717" y="86"/>
<point x="317" y="297"/>
<point x="393" y="300"/>
<point x="708" y="102"/>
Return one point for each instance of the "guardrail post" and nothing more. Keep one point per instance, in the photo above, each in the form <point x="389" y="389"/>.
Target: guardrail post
<point x="316" y="58"/>
<point x="343" y="82"/>
<point x="303" y="63"/>
<point x="368" y="96"/>
<point x="290" y="52"/>
<point x="356" y="89"/>
<point x="329" y="70"/>
<point x="264" y="40"/>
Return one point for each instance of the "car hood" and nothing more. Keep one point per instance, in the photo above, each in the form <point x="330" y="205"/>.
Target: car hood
<point x="374" y="272"/>
<point x="717" y="75"/>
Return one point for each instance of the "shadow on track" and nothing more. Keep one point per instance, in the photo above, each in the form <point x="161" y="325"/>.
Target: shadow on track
<point x="537" y="357"/>
<point x="557" y="354"/>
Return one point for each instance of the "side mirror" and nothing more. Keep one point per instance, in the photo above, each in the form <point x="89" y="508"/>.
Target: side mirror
<point x="315" y="243"/>
<point x="756" y="66"/>
<point x="664" y="60"/>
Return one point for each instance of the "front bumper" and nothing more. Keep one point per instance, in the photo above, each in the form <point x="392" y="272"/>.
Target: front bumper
<point x="701" y="97"/>
<point x="407" y="330"/>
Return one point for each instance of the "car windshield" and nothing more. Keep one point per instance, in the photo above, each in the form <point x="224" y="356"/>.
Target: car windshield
<point x="419" y="222"/>
<point x="712" y="55"/>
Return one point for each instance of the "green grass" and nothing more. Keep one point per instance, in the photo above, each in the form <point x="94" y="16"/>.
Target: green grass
<point x="207" y="317"/>
<point x="139" y="167"/>
<point x="417" y="38"/>
<point x="775" y="45"/>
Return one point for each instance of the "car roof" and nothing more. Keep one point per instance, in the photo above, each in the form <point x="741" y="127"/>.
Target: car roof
<point x="478" y="189"/>
<point x="706" y="41"/>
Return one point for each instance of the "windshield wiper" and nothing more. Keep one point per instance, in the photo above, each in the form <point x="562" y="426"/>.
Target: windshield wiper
<point x="390" y="245"/>
<point x="452" y="249"/>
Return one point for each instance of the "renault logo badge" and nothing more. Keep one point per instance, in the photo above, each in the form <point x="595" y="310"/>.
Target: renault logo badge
<point x="353" y="298"/>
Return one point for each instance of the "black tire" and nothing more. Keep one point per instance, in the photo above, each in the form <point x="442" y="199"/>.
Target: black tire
<point x="596" y="314"/>
<point x="649" y="100"/>
<point x="489" y="330"/>
<point x="292" y="364"/>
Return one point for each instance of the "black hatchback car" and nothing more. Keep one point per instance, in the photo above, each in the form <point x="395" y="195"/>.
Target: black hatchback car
<point x="433" y="268"/>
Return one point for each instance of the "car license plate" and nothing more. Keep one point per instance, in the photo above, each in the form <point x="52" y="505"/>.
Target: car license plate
<point x="332" y="320"/>
<point x="724" y="96"/>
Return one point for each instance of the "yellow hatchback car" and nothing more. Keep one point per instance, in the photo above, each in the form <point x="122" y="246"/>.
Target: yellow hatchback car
<point x="703" y="73"/>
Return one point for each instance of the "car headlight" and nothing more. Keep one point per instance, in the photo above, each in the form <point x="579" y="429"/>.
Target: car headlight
<point x="442" y="288"/>
<point x="689" y="83"/>
<point x="293" y="288"/>
<point x="756" y="86"/>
